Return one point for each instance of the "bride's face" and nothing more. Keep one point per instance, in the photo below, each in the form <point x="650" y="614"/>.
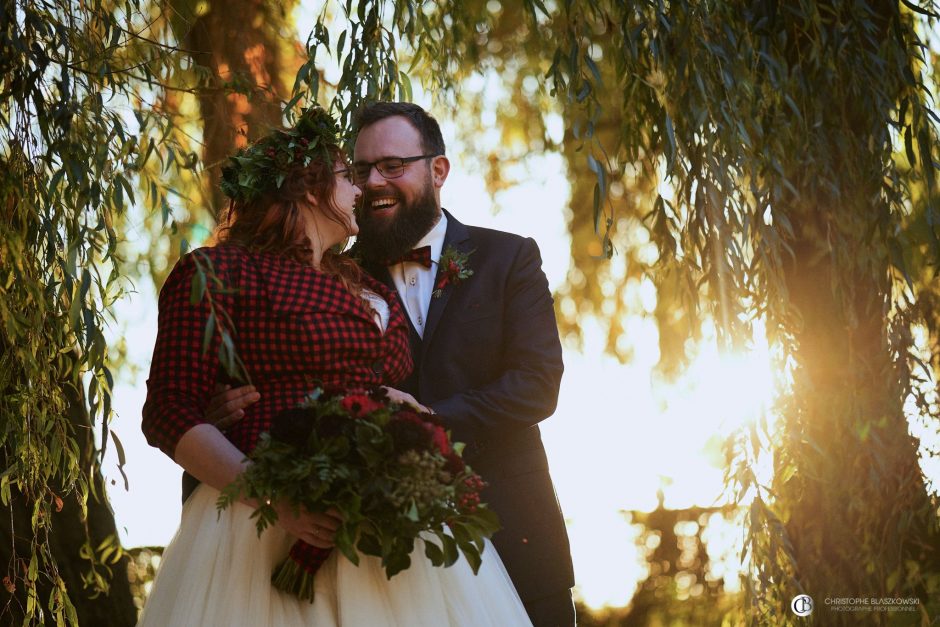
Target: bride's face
<point x="334" y="223"/>
<point x="345" y="197"/>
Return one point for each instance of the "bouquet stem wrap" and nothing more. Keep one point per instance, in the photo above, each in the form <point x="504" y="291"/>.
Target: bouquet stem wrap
<point x="295" y="574"/>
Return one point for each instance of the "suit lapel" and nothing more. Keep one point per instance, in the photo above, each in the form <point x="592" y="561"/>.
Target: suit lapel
<point x="458" y="238"/>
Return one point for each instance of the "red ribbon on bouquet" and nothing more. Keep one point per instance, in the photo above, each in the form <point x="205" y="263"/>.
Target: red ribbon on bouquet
<point x="295" y="574"/>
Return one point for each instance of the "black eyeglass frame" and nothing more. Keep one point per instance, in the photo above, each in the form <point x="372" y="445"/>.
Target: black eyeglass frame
<point x="359" y="167"/>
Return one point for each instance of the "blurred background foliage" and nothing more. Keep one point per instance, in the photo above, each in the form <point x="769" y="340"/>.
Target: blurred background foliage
<point x="754" y="163"/>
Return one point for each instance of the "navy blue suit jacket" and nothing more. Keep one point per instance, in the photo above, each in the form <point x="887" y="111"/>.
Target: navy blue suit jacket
<point x="490" y="364"/>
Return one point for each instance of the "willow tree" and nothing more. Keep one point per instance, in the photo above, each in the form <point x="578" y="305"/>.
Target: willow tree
<point x="800" y="144"/>
<point x="96" y="137"/>
<point x="790" y="205"/>
<point x="798" y="139"/>
<point x="68" y="156"/>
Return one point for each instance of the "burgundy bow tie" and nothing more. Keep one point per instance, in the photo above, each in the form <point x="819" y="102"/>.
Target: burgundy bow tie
<point x="418" y="255"/>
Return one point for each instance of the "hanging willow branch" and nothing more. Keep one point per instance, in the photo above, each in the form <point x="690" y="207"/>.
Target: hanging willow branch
<point x="73" y="146"/>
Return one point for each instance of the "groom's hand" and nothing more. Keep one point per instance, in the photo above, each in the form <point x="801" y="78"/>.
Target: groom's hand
<point x="404" y="398"/>
<point x="228" y="405"/>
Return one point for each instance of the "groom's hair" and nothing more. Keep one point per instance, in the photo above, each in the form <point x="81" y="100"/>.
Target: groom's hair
<point x="431" y="138"/>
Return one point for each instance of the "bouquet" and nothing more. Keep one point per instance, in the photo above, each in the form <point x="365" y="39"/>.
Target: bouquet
<point x="392" y="473"/>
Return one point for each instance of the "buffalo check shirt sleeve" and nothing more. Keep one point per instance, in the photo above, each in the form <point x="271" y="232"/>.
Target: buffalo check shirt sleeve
<point x="182" y="378"/>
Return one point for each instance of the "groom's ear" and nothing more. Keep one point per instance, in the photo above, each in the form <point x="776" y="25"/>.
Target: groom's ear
<point x="440" y="168"/>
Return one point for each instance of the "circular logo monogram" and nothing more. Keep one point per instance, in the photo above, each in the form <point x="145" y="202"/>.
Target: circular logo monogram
<point x="802" y="605"/>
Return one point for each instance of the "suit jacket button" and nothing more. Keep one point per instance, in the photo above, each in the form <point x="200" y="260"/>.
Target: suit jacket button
<point x="378" y="366"/>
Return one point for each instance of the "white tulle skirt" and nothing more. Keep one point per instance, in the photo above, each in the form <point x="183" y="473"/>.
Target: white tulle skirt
<point x="217" y="572"/>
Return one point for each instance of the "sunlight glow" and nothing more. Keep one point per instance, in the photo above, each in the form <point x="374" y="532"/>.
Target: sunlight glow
<point x="923" y="426"/>
<point x="620" y="434"/>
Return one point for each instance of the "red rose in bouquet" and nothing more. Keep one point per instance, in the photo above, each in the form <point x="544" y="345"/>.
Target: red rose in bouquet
<point x="359" y="405"/>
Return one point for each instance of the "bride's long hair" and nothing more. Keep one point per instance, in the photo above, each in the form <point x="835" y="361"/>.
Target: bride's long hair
<point x="274" y="221"/>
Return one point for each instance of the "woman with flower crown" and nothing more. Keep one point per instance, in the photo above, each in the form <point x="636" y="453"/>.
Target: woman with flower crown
<point x="273" y="304"/>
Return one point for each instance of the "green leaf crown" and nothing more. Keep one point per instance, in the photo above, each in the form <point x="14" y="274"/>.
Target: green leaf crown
<point x="263" y="166"/>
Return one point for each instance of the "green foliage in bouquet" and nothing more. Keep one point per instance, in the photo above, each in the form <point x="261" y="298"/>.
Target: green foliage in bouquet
<point x="393" y="475"/>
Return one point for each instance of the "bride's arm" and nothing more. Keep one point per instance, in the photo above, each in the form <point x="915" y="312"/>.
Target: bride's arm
<point x="182" y="377"/>
<point x="208" y="455"/>
<point x="182" y="374"/>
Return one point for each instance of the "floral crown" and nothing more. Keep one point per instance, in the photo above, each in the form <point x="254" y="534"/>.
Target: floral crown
<point x="263" y="166"/>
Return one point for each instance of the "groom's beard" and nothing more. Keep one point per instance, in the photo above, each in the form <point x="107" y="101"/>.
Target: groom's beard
<point x="382" y="240"/>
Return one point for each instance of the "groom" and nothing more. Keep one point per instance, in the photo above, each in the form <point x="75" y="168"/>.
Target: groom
<point x="483" y="337"/>
<point x="485" y="345"/>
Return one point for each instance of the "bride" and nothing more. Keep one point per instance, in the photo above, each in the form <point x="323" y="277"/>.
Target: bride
<point x="285" y="310"/>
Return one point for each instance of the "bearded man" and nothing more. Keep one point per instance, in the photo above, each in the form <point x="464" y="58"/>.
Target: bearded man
<point x="485" y="345"/>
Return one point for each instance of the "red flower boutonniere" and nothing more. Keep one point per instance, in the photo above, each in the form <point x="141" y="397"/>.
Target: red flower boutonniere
<point x="453" y="269"/>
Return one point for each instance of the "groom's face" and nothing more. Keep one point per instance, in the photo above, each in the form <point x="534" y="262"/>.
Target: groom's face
<point x="395" y="213"/>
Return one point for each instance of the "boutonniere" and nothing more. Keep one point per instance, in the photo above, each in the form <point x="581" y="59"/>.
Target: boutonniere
<point x="453" y="269"/>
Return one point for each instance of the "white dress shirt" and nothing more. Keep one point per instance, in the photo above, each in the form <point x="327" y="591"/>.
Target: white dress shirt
<point x="415" y="282"/>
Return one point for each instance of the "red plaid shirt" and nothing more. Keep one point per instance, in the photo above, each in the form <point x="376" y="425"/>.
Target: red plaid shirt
<point x="293" y="325"/>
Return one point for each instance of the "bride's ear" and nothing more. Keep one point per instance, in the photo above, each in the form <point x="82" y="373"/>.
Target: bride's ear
<point x="312" y="200"/>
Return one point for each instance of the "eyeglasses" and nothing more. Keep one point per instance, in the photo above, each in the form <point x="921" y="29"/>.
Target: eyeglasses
<point x="389" y="168"/>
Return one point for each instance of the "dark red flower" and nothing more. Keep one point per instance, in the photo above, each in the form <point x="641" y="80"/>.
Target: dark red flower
<point x="292" y="426"/>
<point x="455" y="464"/>
<point x="408" y="434"/>
<point x="441" y="441"/>
<point x="358" y="405"/>
<point x="330" y="426"/>
<point x="434" y="419"/>
<point x="410" y="416"/>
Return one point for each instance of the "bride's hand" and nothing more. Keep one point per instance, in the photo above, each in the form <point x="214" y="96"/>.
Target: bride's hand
<point x="317" y="529"/>
<point x="406" y="399"/>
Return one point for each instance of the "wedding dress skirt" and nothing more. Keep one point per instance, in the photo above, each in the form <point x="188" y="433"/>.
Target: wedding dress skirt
<point x="217" y="572"/>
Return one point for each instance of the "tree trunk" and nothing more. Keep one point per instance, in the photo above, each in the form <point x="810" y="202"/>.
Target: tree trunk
<point x="237" y="42"/>
<point x="857" y="510"/>
<point x="859" y="490"/>
<point x="68" y="537"/>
